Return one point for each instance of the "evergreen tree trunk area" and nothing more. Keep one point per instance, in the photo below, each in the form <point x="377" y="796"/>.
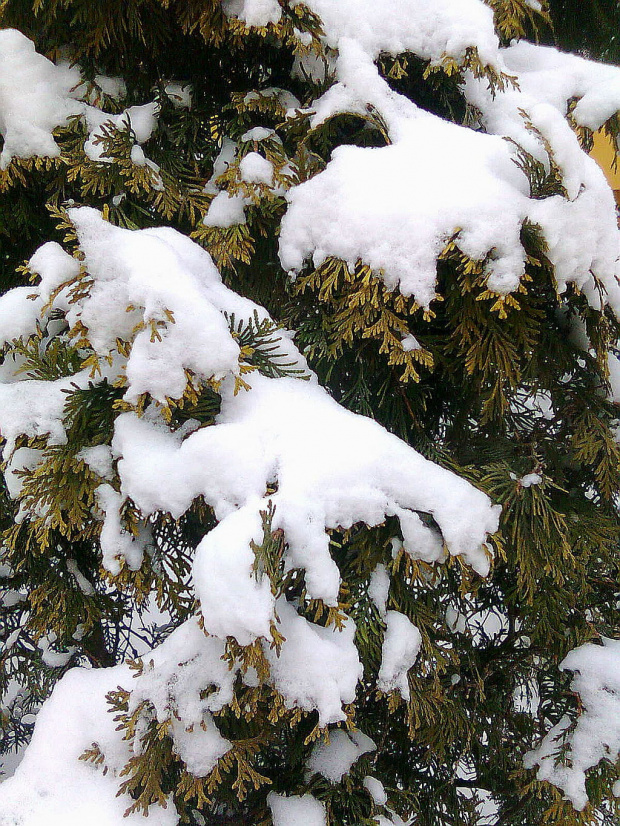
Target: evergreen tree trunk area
<point x="309" y="405"/>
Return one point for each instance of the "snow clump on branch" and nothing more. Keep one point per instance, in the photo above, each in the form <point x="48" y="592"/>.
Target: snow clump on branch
<point x="279" y="443"/>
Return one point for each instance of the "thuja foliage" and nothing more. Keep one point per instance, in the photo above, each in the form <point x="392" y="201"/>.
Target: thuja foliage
<point x="590" y="27"/>
<point x="496" y="388"/>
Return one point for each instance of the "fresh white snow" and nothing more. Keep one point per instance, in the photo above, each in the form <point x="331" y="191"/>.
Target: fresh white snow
<point x="346" y="469"/>
<point x="596" y="736"/>
<point x="394" y="208"/>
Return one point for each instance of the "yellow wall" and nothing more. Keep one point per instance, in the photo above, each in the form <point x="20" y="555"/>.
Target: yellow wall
<point x="603" y="154"/>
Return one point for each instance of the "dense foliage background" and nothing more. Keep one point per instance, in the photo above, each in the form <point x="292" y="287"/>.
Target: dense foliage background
<point x="499" y="388"/>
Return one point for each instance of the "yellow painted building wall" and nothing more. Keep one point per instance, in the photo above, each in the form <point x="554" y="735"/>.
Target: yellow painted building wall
<point x="603" y="153"/>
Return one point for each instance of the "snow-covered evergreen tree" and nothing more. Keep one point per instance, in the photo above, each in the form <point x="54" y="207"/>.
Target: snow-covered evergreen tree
<point x="359" y="575"/>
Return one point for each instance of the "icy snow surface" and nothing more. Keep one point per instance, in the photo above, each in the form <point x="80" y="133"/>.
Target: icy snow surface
<point x="429" y="30"/>
<point x="141" y="120"/>
<point x="376" y="789"/>
<point x="18" y="315"/>
<point x="318" y="668"/>
<point x="554" y="77"/>
<point x="401" y="644"/>
<point x="253" y="12"/>
<point x="256" y="170"/>
<point x="580" y="229"/>
<point x="133" y="269"/>
<point x="395" y="207"/>
<point x="180" y="94"/>
<point x="51" y="786"/>
<point x="36" y="96"/>
<point x="285" y="434"/>
<point x="172" y="680"/>
<point x="379" y="587"/>
<point x="596" y="670"/>
<point x="296" y="811"/>
<point x="226" y="210"/>
<point x="224" y="556"/>
<point x="324" y="480"/>
<point x="34" y="408"/>
<point x="334" y="759"/>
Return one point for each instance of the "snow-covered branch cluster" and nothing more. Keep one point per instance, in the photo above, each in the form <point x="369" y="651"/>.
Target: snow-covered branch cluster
<point x="325" y="468"/>
<point x="146" y="312"/>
